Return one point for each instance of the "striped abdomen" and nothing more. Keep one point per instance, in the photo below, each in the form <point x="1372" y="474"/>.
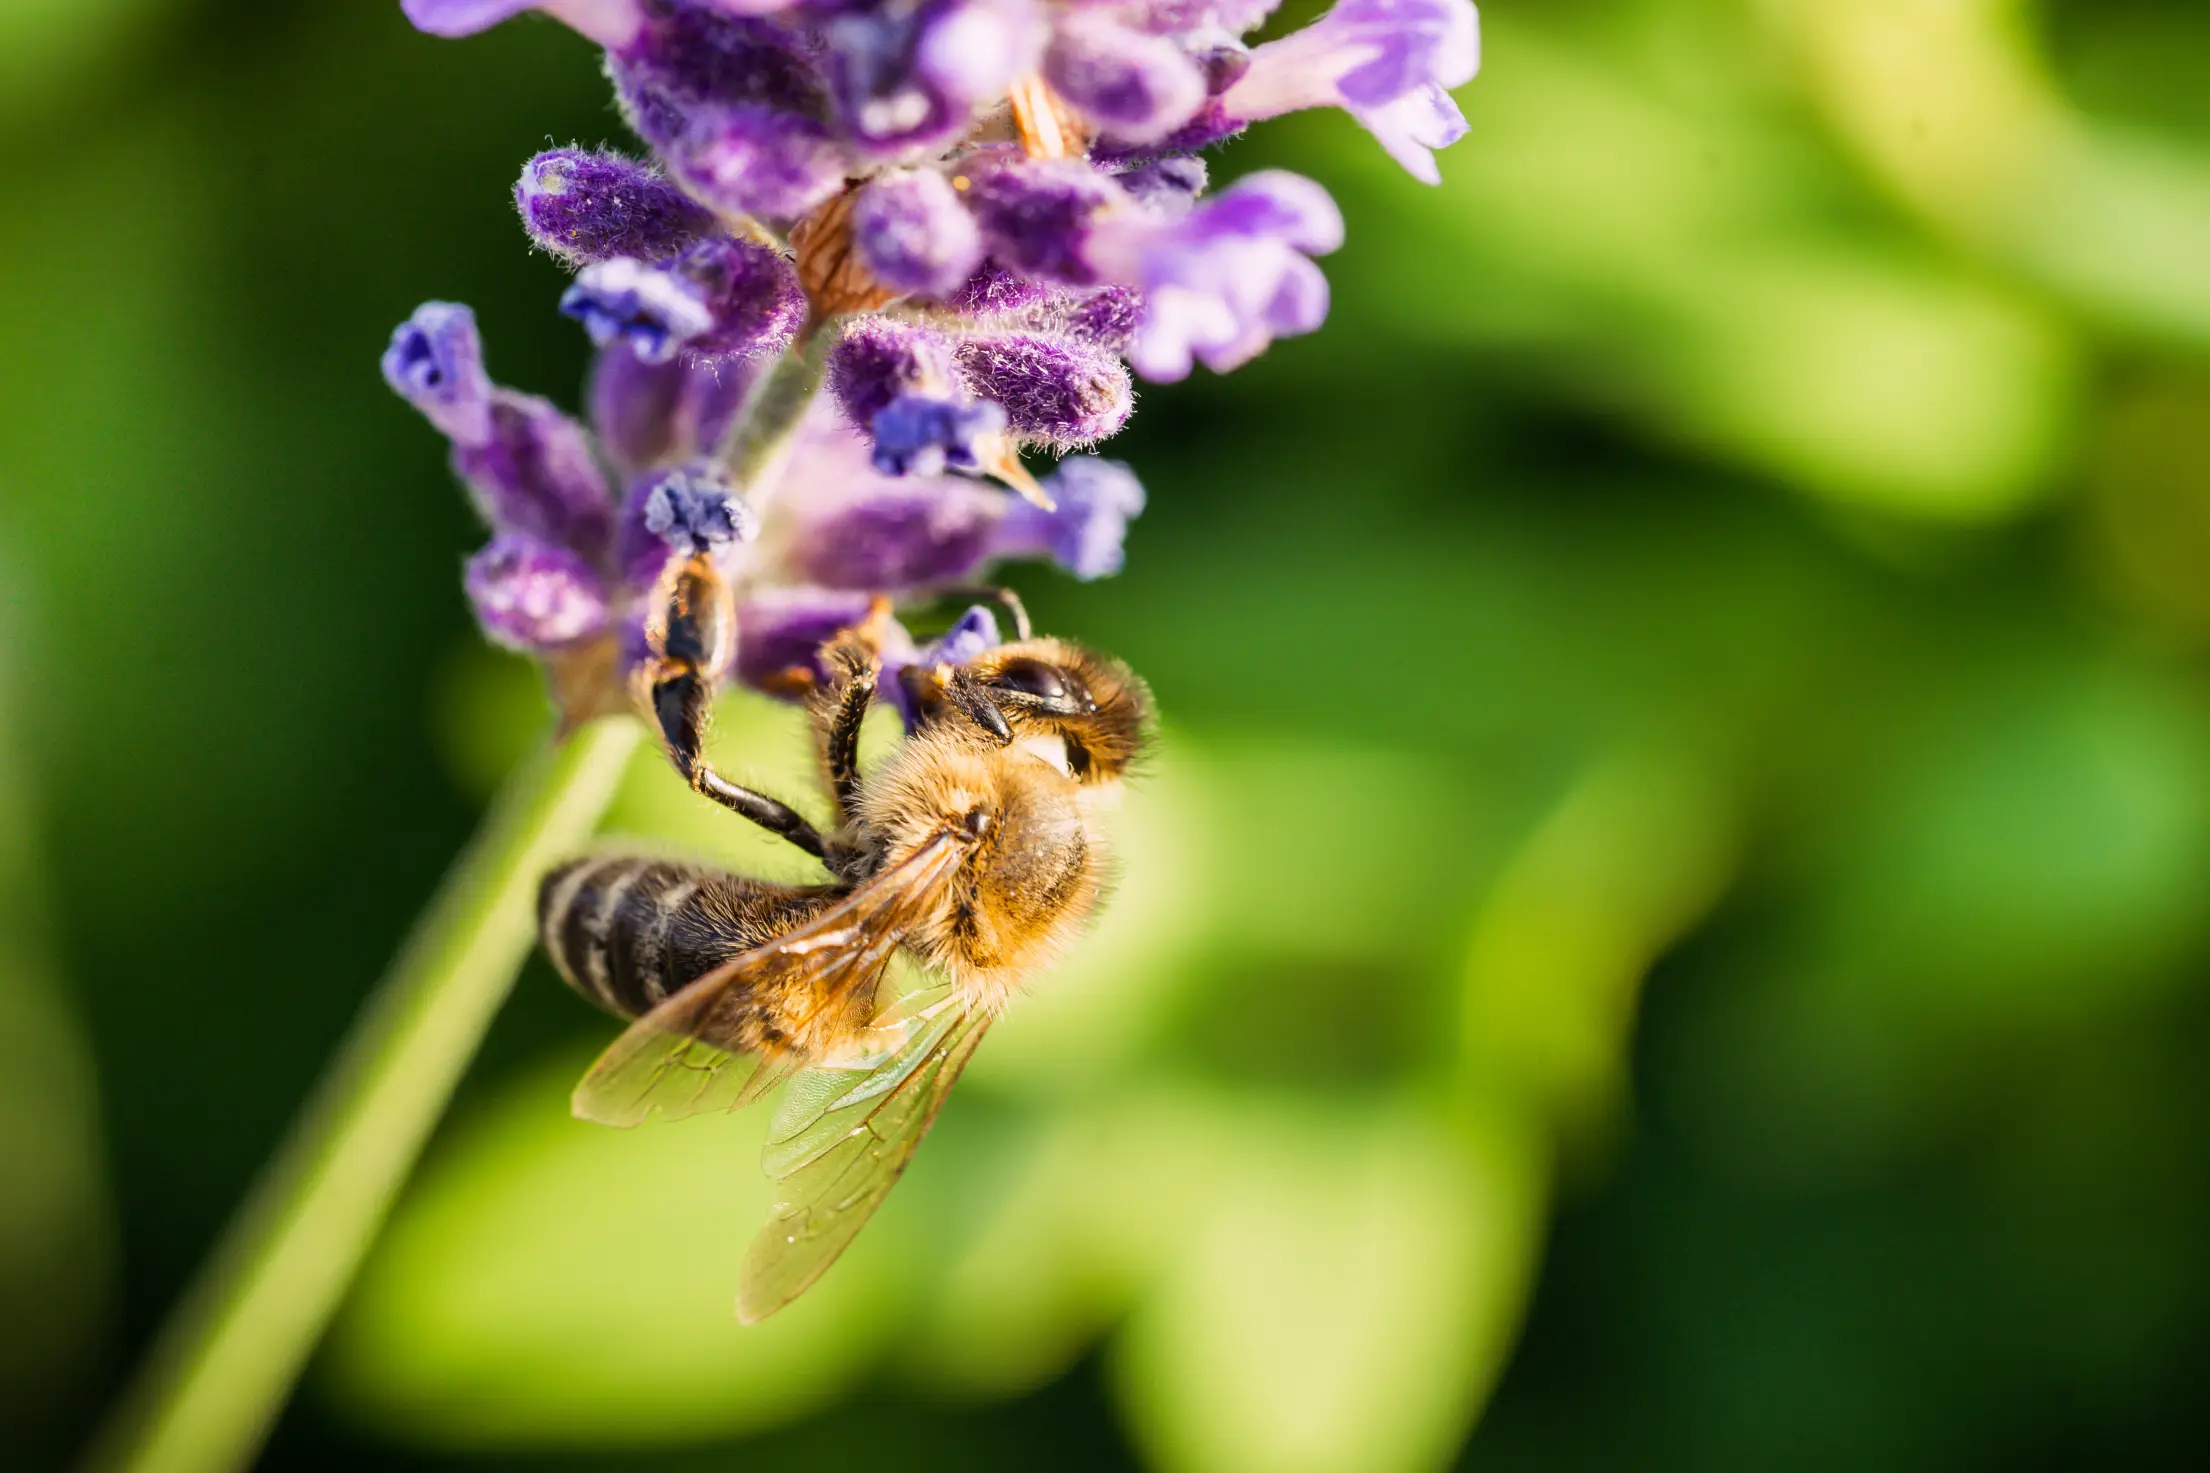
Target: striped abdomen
<point x="627" y="931"/>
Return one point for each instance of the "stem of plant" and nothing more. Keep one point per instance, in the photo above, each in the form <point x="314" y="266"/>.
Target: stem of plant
<point x="221" y="1371"/>
<point x="227" y="1361"/>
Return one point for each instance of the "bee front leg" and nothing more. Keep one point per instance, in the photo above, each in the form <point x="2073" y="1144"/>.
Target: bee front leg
<point x="839" y="708"/>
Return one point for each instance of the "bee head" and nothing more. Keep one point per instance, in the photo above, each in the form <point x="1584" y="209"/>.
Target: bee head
<point x="1049" y="688"/>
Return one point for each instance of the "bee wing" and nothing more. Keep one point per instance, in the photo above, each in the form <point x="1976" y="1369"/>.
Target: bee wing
<point x="837" y="1146"/>
<point x="689" y="1054"/>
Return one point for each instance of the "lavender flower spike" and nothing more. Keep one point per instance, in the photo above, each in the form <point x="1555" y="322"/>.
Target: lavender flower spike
<point x="534" y="596"/>
<point x="608" y="22"/>
<point x="584" y="207"/>
<point x="655" y="312"/>
<point x="1389" y="63"/>
<point x="435" y="363"/>
<point x="1226" y="279"/>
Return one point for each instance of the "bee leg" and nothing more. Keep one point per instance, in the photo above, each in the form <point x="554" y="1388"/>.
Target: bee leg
<point x="678" y="701"/>
<point x="839" y="708"/>
<point x="972" y="699"/>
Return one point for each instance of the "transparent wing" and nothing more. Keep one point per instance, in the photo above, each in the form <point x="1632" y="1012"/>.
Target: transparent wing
<point x="702" y="1048"/>
<point x="837" y="1146"/>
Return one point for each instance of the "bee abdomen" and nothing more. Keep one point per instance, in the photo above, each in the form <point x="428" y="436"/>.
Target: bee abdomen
<point x="627" y="932"/>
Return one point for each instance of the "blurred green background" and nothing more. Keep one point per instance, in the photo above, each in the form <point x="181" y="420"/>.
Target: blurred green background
<point x="1672" y="928"/>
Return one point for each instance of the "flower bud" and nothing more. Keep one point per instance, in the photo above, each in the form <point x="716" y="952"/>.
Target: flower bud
<point x="1140" y="87"/>
<point x="1056" y="392"/>
<point x="435" y="363"/>
<point x="913" y="234"/>
<point x="584" y="207"/>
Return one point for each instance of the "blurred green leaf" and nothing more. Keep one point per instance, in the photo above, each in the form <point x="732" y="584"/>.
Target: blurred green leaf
<point x="1339" y="1299"/>
<point x="555" y="1282"/>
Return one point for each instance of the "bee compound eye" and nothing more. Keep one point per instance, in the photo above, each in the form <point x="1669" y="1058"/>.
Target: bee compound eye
<point x="977" y="822"/>
<point x="1032" y="678"/>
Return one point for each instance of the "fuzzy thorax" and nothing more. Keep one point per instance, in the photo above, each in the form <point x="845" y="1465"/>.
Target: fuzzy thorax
<point x="1034" y="867"/>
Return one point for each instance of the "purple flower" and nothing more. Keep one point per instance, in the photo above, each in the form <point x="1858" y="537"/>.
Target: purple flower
<point x="535" y="473"/>
<point x="927" y="434"/>
<point x="752" y="293"/>
<point x="1226" y="279"/>
<point x="534" y="596"/>
<point x="608" y="22"/>
<point x="721" y="297"/>
<point x="910" y="76"/>
<point x="752" y="160"/>
<point x="1056" y="392"/>
<point x="687" y="509"/>
<point x="696" y="510"/>
<point x="733" y="106"/>
<point x="653" y="312"/>
<point x="435" y="363"/>
<point x="651" y="414"/>
<point x="910" y="532"/>
<point x="879" y="358"/>
<point x="1138" y="86"/>
<point x="585" y="207"/>
<point x="1389" y="63"/>
<point x="913" y="234"/>
<point x="1094" y="502"/>
<point x="1036" y="214"/>
<point x="782" y="630"/>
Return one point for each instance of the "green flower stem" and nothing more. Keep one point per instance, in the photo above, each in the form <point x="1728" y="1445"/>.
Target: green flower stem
<point x="228" y="1359"/>
<point x="761" y="440"/>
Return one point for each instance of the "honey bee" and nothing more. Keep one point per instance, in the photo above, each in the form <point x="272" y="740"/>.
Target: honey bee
<point x="976" y="849"/>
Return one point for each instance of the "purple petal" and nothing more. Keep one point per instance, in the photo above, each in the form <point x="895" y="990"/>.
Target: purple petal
<point x="1413" y="126"/>
<point x="688" y="509"/>
<point x="1095" y="501"/>
<point x="651" y="311"/>
<point x="608" y="22"/>
<point x="973" y="50"/>
<point x="435" y="363"/>
<point x="649" y="414"/>
<point x="913" y="234"/>
<point x="1221" y="282"/>
<point x="751" y="292"/>
<point x="996" y="289"/>
<point x="1390" y="63"/>
<point x="535" y="474"/>
<point x="534" y="596"/>
<point x="904" y="534"/>
<point x="751" y="160"/>
<point x="1139" y="87"/>
<point x="584" y="207"/>
<point x="781" y="629"/>
<point x="927" y="434"/>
